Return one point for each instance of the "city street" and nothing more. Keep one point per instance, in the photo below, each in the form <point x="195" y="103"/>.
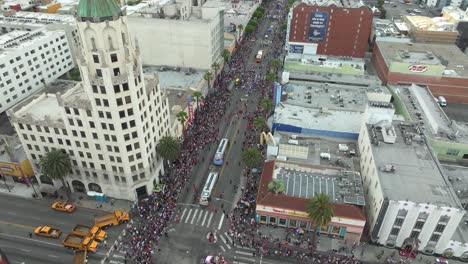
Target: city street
<point x="20" y="216"/>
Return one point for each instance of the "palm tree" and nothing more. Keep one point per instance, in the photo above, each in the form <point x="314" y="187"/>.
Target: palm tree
<point x="266" y="104"/>
<point x="208" y="77"/>
<point x="168" y="148"/>
<point x="226" y="55"/>
<point x="252" y="157"/>
<point x="259" y="123"/>
<point x="275" y="65"/>
<point x="182" y="117"/>
<point x="270" y="76"/>
<point x="215" y="66"/>
<point x="276" y="186"/>
<point x="197" y="96"/>
<point x="320" y="210"/>
<point x="56" y="165"/>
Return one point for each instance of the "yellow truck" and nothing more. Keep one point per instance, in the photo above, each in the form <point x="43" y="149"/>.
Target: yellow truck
<point x="116" y="218"/>
<point x="78" y="243"/>
<point x="94" y="232"/>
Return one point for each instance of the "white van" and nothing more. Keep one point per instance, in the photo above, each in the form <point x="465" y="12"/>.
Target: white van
<point x="442" y="101"/>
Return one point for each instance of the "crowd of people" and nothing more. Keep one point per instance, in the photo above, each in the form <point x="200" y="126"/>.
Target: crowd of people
<point x="152" y="215"/>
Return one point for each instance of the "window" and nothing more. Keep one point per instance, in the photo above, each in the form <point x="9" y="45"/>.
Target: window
<point x="91" y="124"/>
<point x="453" y="152"/>
<point x="116" y="71"/>
<point x="113" y="57"/>
<point x="125" y="86"/>
<point x="128" y="99"/>
<point x="96" y="58"/>
<point x="119" y="101"/>
<point x="414" y="234"/>
<point x="434" y="238"/>
<point x="124" y="126"/>
<point x="398" y="221"/>
<point x="135" y="178"/>
<point x="116" y="88"/>
<point x="419" y="224"/>
<point x="439" y="228"/>
<point x="395" y="231"/>
<point x="99" y="73"/>
<point x="102" y="89"/>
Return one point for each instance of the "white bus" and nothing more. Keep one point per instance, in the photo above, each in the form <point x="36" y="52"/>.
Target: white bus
<point x="208" y="188"/>
<point x="219" y="155"/>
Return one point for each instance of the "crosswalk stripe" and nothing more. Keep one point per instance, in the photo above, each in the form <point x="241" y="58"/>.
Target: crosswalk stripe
<point x="119" y="256"/>
<point x="228" y="237"/>
<point x="188" y="216"/>
<point x="199" y="216"/>
<point x="247" y="259"/>
<point x="194" y="216"/>
<point x="183" y="213"/>
<point x="209" y="220"/>
<point x="115" y="262"/>
<point x="222" y="248"/>
<point x="204" y="218"/>
<point x="243" y="253"/>
<point x="224" y="241"/>
<point x="238" y="262"/>
<point x="221" y="222"/>
<point x="245" y="248"/>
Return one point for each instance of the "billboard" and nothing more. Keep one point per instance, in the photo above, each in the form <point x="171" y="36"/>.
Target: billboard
<point x="417" y="69"/>
<point x="318" y="26"/>
<point x="296" y="49"/>
<point x="16" y="170"/>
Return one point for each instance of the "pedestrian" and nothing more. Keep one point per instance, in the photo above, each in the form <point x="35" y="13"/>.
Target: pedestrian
<point x="105" y="243"/>
<point x="30" y="235"/>
<point x="165" y="234"/>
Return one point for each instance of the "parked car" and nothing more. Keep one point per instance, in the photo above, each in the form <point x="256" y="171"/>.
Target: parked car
<point x="63" y="207"/>
<point x="47" y="231"/>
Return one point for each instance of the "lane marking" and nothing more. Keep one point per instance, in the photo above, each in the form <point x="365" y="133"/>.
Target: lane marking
<point x="119" y="256"/>
<point x="245" y="248"/>
<point x="222" y="248"/>
<point x="209" y="220"/>
<point x="199" y="216"/>
<point x="243" y="253"/>
<point x="204" y="218"/>
<point x="221" y="222"/>
<point x="247" y="259"/>
<point x="194" y="216"/>
<point x="115" y="262"/>
<point x="11" y="213"/>
<point x="228" y="237"/>
<point x="17" y="225"/>
<point x="188" y="216"/>
<point x="224" y="241"/>
<point x="25" y="250"/>
<point x="52" y="256"/>
<point x="183" y="213"/>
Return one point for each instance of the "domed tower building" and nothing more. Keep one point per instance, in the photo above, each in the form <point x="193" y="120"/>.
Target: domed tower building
<point x="110" y="123"/>
<point x="129" y="111"/>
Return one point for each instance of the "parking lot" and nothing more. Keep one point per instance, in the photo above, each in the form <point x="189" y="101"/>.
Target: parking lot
<point x="397" y="8"/>
<point x="457" y="111"/>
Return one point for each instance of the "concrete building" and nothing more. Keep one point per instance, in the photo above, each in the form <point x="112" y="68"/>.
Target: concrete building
<point x="326" y="27"/>
<point x="179" y="34"/>
<point x="110" y="123"/>
<point x="30" y="59"/>
<point x="431" y="30"/>
<point x="442" y="3"/>
<point x="331" y="110"/>
<point x="441" y="67"/>
<point x="383" y="29"/>
<point x="409" y="203"/>
<point x="460" y="18"/>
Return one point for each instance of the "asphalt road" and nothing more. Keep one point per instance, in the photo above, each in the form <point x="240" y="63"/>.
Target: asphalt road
<point x="19" y="216"/>
<point x="457" y="111"/>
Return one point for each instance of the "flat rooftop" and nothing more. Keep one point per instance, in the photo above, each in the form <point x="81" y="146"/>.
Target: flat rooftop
<point x="423" y="109"/>
<point x="338" y="3"/>
<point x="331" y="96"/>
<point x="340" y="186"/>
<point x="327" y="120"/>
<point x="43" y="104"/>
<point x="440" y="54"/>
<point x="386" y="28"/>
<point x="37" y="18"/>
<point x="407" y="165"/>
<point x="22" y="39"/>
<point x="179" y="79"/>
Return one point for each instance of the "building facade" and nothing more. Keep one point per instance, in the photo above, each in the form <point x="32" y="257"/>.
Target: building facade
<point x="29" y="60"/>
<point x="397" y="215"/>
<point x="179" y="35"/>
<point x="329" y="28"/>
<point x="110" y="123"/>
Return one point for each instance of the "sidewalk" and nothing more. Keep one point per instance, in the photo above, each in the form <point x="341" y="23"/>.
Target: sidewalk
<point x="366" y="253"/>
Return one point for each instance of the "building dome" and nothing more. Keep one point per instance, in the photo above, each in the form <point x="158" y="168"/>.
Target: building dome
<point x="98" y="10"/>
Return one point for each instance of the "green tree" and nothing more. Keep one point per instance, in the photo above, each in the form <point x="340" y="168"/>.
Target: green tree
<point x="197" y="96"/>
<point x="75" y="74"/>
<point x="276" y="186"/>
<point x="226" y="55"/>
<point x="168" y="148"/>
<point x="249" y="29"/>
<point x="320" y="210"/>
<point x="253" y="22"/>
<point x="251" y="157"/>
<point x="383" y="13"/>
<point x="259" y="123"/>
<point x="275" y="64"/>
<point x="291" y="2"/>
<point x="56" y="165"/>
<point x="215" y="66"/>
<point x="266" y="104"/>
<point x="208" y="77"/>
<point x="240" y="27"/>
<point x="270" y="76"/>
<point x="182" y="117"/>
<point x="284" y="26"/>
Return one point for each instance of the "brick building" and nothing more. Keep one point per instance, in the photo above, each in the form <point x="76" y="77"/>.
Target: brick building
<point x="441" y="67"/>
<point x="329" y="28"/>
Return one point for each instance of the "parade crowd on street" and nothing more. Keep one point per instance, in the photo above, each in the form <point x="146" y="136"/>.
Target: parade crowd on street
<point x="151" y="216"/>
